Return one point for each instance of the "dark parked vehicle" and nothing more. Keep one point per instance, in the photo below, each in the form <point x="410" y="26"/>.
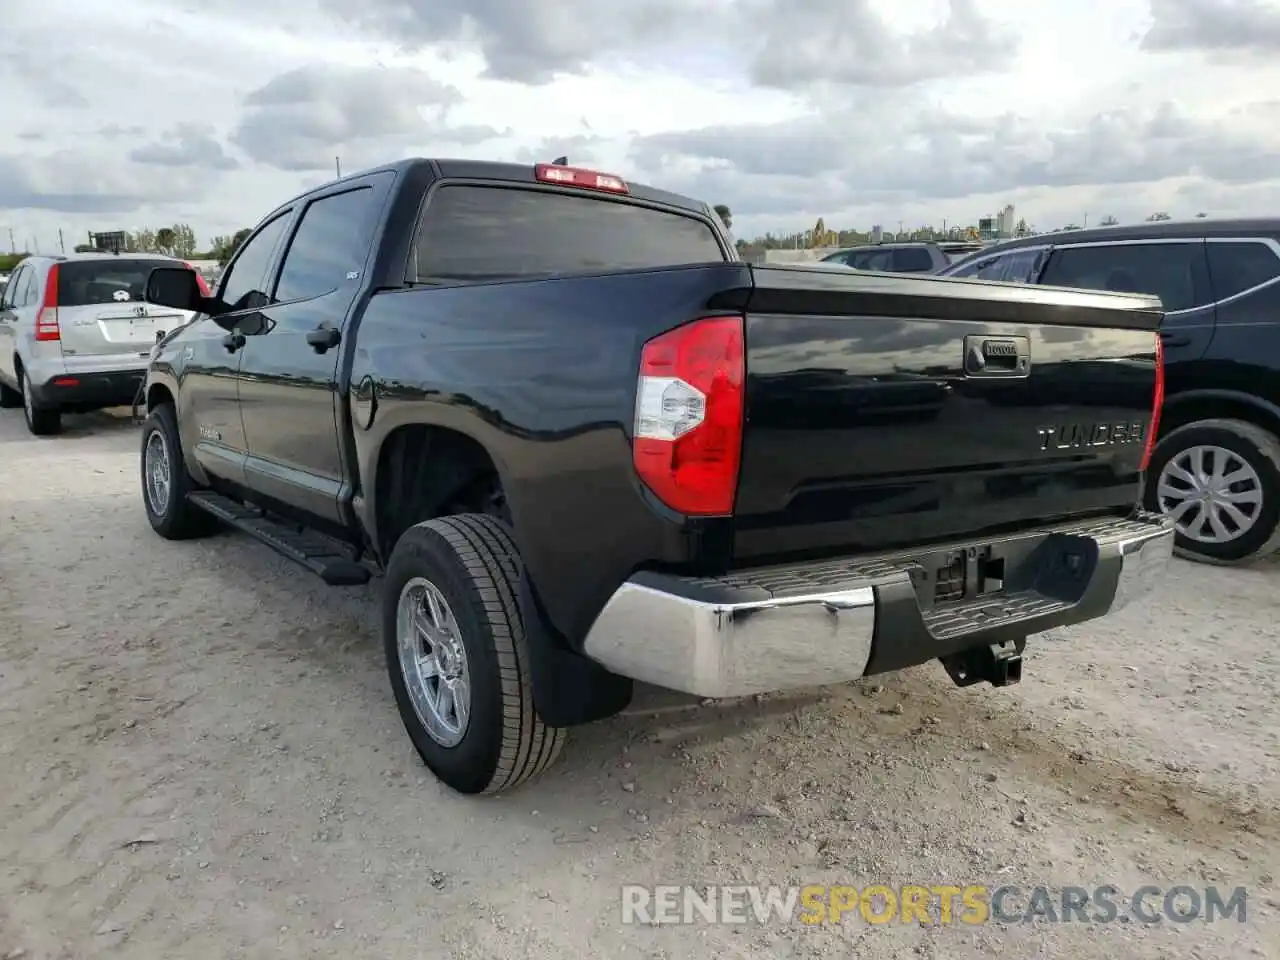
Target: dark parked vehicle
<point x="892" y="258"/>
<point x="1216" y="468"/>
<point x="585" y="445"/>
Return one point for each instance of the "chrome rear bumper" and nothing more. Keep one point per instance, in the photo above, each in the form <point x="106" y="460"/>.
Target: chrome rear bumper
<point x="828" y="622"/>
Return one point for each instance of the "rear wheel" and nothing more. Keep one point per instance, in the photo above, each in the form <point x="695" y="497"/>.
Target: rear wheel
<point x="165" y="481"/>
<point x="41" y="421"/>
<point x="457" y="655"/>
<point x="1219" y="480"/>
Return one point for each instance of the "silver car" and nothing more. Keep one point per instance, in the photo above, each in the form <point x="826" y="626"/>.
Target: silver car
<point x="76" y="333"/>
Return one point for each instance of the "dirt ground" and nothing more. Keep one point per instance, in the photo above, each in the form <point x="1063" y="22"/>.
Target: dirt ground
<point x="200" y="757"/>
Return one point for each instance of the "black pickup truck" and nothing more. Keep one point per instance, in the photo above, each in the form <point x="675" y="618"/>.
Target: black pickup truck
<point x="583" y="445"/>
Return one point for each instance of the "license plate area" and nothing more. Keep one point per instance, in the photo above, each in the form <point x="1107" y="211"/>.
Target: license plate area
<point x="963" y="574"/>
<point x="129" y="330"/>
<point x="1058" y="565"/>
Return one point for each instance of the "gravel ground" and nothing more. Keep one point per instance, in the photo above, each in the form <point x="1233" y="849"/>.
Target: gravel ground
<point x="200" y="757"/>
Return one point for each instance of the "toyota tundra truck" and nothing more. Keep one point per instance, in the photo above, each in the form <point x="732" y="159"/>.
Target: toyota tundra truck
<point x="583" y="445"/>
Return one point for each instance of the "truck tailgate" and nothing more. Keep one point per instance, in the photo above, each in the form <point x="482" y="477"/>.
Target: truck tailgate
<point x="885" y="410"/>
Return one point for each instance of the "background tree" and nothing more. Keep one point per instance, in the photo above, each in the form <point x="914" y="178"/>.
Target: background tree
<point x="239" y="237"/>
<point x="144" y="241"/>
<point x="1155" y="217"/>
<point x="1108" y="221"/>
<point x="725" y="215"/>
<point x="184" y="241"/>
<point x="166" y="239"/>
<point x="1201" y="216"/>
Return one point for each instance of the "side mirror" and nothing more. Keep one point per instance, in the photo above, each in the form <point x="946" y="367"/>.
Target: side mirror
<point x="175" y="287"/>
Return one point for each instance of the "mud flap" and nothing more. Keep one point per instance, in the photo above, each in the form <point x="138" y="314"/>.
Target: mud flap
<point x="568" y="689"/>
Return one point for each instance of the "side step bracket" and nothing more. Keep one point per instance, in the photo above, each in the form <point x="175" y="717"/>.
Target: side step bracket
<point x="317" y="553"/>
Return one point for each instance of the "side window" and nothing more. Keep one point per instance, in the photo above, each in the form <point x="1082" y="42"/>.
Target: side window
<point x="332" y="241"/>
<point x="878" y="260"/>
<point x="26" y="295"/>
<point x="244" y="279"/>
<point x="13" y="292"/>
<point x="1167" y="270"/>
<point x="971" y="268"/>
<point x="1017" y="266"/>
<point x="1237" y="266"/>
<point x="912" y="260"/>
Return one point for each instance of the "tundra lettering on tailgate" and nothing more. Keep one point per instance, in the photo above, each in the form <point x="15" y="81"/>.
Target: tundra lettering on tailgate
<point x="1071" y="436"/>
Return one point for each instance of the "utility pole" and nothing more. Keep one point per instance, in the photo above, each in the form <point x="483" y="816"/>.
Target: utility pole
<point x="1086" y="220"/>
<point x="13" y="247"/>
<point x="61" y="244"/>
<point x="337" y="166"/>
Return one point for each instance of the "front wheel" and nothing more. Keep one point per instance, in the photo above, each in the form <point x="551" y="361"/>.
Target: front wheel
<point x="457" y="655"/>
<point x="165" y="481"/>
<point x="1219" y="480"/>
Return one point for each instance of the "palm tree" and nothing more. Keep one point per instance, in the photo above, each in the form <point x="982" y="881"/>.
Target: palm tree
<point x="166" y="239"/>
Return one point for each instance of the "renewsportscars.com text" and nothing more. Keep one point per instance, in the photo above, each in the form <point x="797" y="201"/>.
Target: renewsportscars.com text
<point x="941" y="904"/>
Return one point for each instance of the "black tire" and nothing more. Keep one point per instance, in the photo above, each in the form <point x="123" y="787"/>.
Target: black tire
<point x="174" y="518"/>
<point x="10" y="399"/>
<point x="1252" y="445"/>
<point x="41" y="421"/>
<point x="471" y="560"/>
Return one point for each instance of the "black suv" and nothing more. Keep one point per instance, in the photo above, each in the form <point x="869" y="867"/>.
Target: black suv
<point x="892" y="257"/>
<point x="1216" y="469"/>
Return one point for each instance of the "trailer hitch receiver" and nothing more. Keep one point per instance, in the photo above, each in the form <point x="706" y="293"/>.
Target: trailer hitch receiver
<point x="999" y="664"/>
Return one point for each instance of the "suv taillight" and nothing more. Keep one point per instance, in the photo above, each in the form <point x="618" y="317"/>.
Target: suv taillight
<point x="690" y="401"/>
<point x="201" y="283"/>
<point x="1157" y="403"/>
<point x="47" y="315"/>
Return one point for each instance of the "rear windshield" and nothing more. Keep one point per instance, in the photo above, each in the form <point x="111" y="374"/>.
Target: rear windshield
<point x="912" y="260"/>
<point x="83" y="283"/>
<point x="494" y="233"/>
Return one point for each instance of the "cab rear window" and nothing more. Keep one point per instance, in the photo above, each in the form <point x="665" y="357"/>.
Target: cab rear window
<point x="496" y="233"/>
<point x="83" y="283"/>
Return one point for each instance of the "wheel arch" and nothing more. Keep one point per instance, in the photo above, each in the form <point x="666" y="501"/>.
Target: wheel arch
<point x="453" y="464"/>
<point x="1192" y="406"/>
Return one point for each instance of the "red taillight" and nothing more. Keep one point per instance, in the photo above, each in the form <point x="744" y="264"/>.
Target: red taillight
<point x="689" y="415"/>
<point x="577" y="177"/>
<point x="47" y="315"/>
<point x="200" y="281"/>
<point x="1157" y="403"/>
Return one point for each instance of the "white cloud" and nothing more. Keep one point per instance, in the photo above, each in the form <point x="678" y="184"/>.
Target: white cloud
<point x="858" y="111"/>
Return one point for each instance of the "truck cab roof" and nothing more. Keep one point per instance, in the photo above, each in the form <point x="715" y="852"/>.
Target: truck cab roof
<point x="460" y="169"/>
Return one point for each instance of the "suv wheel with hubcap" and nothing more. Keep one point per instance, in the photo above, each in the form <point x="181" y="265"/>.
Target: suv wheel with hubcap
<point x="40" y="421"/>
<point x="1219" y="480"/>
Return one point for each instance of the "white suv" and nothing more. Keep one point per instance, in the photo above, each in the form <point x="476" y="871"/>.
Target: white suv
<point x="76" y="333"/>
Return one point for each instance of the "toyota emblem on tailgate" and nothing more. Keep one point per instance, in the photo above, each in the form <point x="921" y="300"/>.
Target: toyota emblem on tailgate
<point x="139" y="311"/>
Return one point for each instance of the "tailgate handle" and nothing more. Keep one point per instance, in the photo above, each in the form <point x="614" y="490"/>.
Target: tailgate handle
<point x="986" y="356"/>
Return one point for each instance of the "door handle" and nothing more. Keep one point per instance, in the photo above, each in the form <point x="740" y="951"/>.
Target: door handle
<point x="1174" y="340"/>
<point x="233" y="341"/>
<point x="323" y="338"/>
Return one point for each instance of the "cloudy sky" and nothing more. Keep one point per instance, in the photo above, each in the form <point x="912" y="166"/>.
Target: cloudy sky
<point x="145" y="112"/>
